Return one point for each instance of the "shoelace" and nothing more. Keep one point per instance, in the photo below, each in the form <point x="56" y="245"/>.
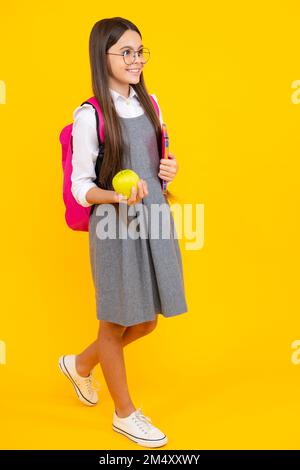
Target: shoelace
<point x="144" y="420"/>
<point x="91" y="383"/>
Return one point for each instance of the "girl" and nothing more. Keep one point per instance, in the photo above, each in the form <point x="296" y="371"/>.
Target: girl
<point x="135" y="279"/>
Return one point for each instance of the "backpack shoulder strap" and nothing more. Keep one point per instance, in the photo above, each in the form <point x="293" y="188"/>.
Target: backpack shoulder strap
<point x="100" y="133"/>
<point x="155" y="106"/>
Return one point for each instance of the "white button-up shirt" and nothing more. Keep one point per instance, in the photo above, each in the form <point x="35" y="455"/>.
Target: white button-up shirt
<point x="85" y="141"/>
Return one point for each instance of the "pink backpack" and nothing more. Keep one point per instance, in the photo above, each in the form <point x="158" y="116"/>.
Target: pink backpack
<point x="77" y="216"/>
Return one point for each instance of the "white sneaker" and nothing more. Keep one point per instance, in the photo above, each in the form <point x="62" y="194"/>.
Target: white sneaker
<point x="84" y="388"/>
<point x="139" y="429"/>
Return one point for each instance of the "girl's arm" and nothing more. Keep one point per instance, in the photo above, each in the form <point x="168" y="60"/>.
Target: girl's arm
<point x="168" y="167"/>
<point x="102" y="196"/>
<point x="85" y="152"/>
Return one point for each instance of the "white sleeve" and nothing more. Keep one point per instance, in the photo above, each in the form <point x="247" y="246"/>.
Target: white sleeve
<point x="160" y="113"/>
<point x="85" y="152"/>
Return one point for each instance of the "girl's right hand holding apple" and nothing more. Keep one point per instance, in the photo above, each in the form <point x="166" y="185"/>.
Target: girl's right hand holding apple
<point x="135" y="197"/>
<point x="105" y="196"/>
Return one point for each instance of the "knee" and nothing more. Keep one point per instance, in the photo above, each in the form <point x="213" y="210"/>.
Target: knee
<point x="147" y="327"/>
<point x="110" y="329"/>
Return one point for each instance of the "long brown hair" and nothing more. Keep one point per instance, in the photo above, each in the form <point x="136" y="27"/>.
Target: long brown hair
<point x="105" y="33"/>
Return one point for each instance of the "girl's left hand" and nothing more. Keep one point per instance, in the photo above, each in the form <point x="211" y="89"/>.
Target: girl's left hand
<point x="168" y="167"/>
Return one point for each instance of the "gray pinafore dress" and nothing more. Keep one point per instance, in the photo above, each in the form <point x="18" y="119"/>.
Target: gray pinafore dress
<point x="136" y="278"/>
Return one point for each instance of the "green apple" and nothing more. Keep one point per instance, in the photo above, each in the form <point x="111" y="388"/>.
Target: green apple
<point x="124" y="180"/>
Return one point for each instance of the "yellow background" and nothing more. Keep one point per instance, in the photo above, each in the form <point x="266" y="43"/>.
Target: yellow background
<point x="220" y="376"/>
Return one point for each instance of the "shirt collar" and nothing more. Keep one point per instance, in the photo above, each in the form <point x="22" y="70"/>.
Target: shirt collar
<point x="117" y="96"/>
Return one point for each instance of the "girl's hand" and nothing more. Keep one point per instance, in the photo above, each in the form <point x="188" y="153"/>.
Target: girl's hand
<point x="135" y="197"/>
<point x="168" y="168"/>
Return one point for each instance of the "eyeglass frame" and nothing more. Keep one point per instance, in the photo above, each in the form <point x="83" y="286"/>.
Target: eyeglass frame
<point x="134" y="52"/>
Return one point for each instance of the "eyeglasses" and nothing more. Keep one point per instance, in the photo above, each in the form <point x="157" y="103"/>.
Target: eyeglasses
<point x="129" y="55"/>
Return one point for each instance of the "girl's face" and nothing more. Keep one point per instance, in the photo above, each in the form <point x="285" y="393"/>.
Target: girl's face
<point x="120" y="75"/>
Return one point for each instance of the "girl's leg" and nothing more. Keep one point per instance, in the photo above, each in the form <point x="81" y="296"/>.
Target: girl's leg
<point x="137" y="331"/>
<point x="111" y="358"/>
<point x="88" y="359"/>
